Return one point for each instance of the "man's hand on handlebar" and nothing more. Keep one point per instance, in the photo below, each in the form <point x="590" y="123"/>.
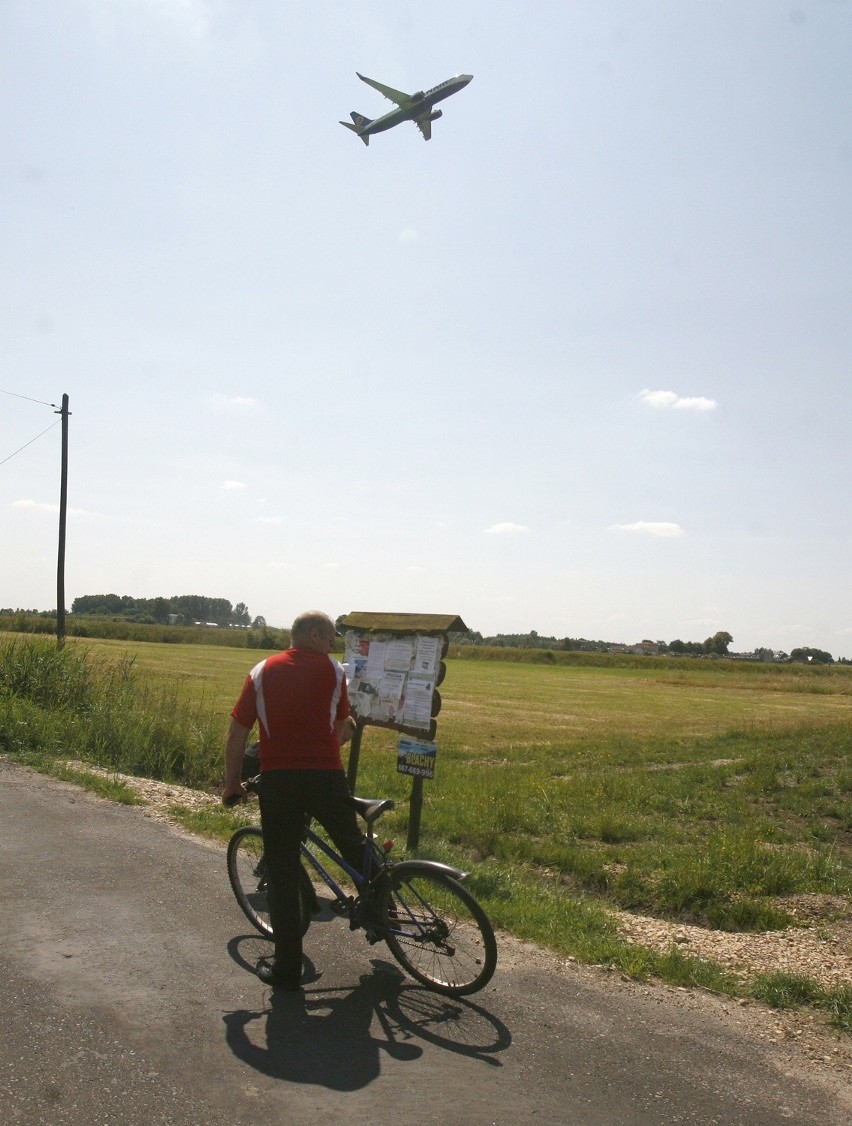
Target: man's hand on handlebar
<point x="232" y="795"/>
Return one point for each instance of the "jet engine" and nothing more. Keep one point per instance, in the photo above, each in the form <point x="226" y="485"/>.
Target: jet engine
<point x="434" y="116"/>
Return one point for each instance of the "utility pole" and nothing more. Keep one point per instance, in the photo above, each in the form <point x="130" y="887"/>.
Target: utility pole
<point x="63" y="506"/>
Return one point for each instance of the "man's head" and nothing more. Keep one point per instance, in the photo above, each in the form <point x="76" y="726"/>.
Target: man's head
<point x="313" y="630"/>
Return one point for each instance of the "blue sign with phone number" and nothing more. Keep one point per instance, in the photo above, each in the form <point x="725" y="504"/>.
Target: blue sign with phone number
<point x="416" y="757"/>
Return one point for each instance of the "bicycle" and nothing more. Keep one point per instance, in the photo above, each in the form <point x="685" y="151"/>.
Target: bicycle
<point x="433" y="927"/>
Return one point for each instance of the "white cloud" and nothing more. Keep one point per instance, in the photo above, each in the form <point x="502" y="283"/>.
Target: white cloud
<point x="409" y="235"/>
<point x="506" y="529"/>
<point x="270" y="519"/>
<point x="38" y="505"/>
<point x="51" y="507"/>
<point x="695" y="403"/>
<point x="649" y="528"/>
<point x="668" y="400"/>
<point x="233" y="486"/>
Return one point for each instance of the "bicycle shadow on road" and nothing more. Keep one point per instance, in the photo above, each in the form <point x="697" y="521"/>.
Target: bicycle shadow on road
<point x="335" y="1037"/>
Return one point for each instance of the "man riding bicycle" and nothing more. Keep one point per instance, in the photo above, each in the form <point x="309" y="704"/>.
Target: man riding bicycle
<point x="299" y="700"/>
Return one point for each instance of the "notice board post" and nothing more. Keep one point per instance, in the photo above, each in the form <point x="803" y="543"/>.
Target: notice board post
<point x="394" y="664"/>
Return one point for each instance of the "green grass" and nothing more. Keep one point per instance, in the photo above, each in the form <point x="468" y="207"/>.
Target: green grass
<point x="105" y="786"/>
<point x="705" y="792"/>
<point x="214" y="822"/>
<point x="77" y="702"/>
<point x="794" y="991"/>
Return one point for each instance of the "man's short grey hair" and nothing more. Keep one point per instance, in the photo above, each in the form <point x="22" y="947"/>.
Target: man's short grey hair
<point x="305" y="623"/>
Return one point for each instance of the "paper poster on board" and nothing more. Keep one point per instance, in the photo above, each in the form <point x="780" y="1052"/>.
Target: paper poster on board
<point x="391" y="679"/>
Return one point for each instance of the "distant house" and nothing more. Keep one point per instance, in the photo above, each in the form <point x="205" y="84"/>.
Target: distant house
<point x="647" y="648"/>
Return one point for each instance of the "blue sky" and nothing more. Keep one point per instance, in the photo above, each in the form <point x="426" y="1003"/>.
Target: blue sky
<point x="579" y="364"/>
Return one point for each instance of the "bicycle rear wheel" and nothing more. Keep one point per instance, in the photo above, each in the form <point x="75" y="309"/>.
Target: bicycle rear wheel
<point x="247" y="873"/>
<point x="437" y="931"/>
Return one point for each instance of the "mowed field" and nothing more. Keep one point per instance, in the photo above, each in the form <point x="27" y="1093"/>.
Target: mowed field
<point x="568" y="766"/>
<point x="506" y="706"/>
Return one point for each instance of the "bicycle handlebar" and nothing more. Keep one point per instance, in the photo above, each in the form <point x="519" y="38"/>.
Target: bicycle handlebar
<point x="249" y="787"/>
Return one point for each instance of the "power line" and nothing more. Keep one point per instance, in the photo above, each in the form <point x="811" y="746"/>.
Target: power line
<point x="30" y="442"/>
<point x="28" y="399"/>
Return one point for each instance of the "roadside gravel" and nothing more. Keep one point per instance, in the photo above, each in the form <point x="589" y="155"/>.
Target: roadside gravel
<point x="821" y="948"/>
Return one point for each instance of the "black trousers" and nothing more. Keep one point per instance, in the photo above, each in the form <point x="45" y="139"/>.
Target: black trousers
<point x="287" y="797"/>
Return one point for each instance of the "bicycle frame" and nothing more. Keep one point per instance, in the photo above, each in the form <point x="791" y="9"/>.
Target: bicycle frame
<point x="434" y="928"/>
<point x="362" y="883"/>
<point x="361" y="879"/>
<point x="358" y="878"/>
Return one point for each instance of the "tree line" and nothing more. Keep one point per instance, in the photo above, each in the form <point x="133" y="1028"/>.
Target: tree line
<point x="716" y="646"/>
<point x="180" y="609"/>
<point x="195" y="609"/>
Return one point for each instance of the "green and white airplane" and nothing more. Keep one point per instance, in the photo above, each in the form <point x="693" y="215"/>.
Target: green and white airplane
<point x="411" y="107"/>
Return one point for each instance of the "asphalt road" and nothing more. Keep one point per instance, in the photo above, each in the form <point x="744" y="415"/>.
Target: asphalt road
<point x="128" y="997"/>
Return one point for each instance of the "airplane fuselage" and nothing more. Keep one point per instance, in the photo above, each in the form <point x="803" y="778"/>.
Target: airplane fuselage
<point x="420" y="103"/>
<point x="415" y="107"/>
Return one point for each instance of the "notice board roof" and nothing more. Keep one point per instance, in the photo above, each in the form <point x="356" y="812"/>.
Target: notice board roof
<point x="404" y="623"/>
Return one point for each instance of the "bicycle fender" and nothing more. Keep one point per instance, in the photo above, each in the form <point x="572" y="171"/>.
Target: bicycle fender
<point x="410" y="867"/>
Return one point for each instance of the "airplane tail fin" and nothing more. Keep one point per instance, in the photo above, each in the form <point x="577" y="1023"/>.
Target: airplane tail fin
<point x="358" y="123"/>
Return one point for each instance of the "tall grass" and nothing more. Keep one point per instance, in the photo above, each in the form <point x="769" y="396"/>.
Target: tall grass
<point x="123" y="629"/>
<point x="69" y="702"/>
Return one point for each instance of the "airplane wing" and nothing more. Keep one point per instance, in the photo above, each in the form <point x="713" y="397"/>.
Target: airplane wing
<point x="388" y="91"/>
<point x="424" y="124"/>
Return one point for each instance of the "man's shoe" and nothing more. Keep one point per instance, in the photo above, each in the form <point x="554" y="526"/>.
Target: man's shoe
<point x="270" y="976"/>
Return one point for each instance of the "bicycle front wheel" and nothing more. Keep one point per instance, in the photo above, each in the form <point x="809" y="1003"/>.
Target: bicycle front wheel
<point x="247" y="873"/>
<point x="437" y="931"/>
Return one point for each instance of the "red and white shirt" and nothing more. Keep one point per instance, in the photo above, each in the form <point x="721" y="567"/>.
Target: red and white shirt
<point x="296" y="697"/>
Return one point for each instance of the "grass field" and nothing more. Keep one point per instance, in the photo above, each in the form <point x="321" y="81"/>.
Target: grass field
<point x="702" y="791"/>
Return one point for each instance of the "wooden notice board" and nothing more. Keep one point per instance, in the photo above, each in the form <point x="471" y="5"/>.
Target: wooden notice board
<point x="394" y="665"/>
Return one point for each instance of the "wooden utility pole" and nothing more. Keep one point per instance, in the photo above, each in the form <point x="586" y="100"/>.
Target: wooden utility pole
<point x="63" y="506"/>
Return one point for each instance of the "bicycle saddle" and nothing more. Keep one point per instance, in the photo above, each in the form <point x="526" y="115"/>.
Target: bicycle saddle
<point x="371" y="808"/>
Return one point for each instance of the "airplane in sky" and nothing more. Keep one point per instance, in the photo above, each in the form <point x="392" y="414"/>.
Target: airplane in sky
<point x="411" y="107"/>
